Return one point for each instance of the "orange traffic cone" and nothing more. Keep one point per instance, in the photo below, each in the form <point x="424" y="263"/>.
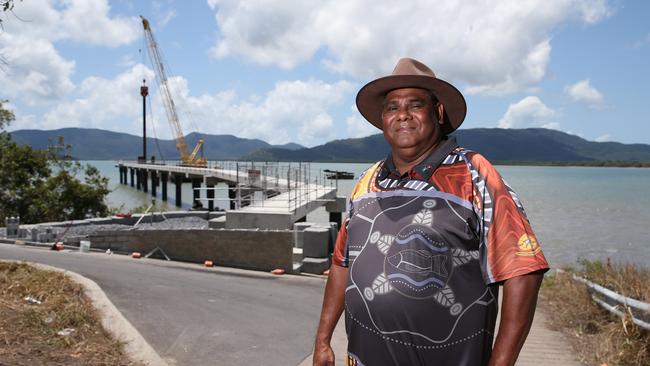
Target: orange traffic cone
<point x="208" y="263"/>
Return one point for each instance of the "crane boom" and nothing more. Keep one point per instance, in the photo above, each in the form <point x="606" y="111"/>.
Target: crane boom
<point x="168" y="101"/>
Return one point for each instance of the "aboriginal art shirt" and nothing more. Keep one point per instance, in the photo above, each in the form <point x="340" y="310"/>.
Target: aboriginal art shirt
<point x="423" y="250"/>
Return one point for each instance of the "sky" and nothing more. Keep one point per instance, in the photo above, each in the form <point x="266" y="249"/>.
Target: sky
<point x="289" y="70"/>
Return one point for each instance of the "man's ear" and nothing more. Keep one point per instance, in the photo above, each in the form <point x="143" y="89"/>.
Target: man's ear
<point x="440" y="109"/>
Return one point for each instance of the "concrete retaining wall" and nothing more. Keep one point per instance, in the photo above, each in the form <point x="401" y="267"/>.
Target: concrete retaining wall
<point x="250" y="249"/>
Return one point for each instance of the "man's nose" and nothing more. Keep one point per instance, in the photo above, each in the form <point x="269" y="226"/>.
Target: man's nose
<point x="403" y="113"/>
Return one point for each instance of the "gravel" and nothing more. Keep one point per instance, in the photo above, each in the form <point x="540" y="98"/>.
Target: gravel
<point x="185" y="223"/>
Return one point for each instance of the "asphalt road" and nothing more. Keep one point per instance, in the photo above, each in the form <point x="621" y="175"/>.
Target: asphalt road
<point x="196" y="316"/>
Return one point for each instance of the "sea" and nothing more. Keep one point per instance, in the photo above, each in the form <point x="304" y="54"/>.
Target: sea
<point x="577" y="213"/>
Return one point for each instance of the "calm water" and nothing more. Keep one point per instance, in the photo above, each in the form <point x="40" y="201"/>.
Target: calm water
<point x="576" y="212"/>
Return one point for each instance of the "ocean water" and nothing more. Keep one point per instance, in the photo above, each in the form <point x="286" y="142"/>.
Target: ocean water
<point x="576" y="212"/>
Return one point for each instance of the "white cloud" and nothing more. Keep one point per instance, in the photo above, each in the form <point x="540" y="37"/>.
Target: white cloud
<point x="281" y="33"/>
<point x="104" y="102"/>
<point x="494" y="47"/>
<point x="357" y="126"/>
<point x="583" y="92"/>
<point x="552" y="126"/>
<point x="35" y="72"/>
<point x="84" y="21"/>
<point x="293" y="111"/>
<point x="529" y="112"/>
<point x="603" y="138"/>
<point x="87" y="21"/>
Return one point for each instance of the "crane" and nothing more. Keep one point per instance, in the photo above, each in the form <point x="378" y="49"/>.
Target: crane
<point x="190" y="159"/>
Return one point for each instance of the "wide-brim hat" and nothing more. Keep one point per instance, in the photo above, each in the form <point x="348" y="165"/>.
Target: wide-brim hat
<point x="410" y="73"/>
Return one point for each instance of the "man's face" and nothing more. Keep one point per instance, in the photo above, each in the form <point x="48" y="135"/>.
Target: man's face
<point x="409" y="122"/>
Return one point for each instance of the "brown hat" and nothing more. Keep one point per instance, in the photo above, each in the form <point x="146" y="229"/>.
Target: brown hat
<point x="410" y="73"/>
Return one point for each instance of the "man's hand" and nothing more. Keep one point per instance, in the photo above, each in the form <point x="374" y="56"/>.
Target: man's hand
<point x="333" y="303"/>
<point x="517" y="311"/>
<point x="323" y="355"/>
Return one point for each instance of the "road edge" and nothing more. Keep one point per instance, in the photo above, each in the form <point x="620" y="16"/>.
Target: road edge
<point x="135" y="346"/>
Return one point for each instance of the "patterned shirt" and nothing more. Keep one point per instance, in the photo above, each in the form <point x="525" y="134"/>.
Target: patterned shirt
<point x="423" y="249"/>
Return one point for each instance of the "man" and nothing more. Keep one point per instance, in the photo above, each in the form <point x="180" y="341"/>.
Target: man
<point x="431" y="231"/>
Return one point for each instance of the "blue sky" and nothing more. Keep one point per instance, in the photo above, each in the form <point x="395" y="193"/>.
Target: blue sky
<point x="288" y="71"/>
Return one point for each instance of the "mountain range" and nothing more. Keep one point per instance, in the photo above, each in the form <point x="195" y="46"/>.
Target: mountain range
<point x="532" y="145"/>
<point x="96" y="144"/>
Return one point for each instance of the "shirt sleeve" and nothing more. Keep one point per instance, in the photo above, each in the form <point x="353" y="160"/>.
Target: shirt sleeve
<point x="509" y="247"/>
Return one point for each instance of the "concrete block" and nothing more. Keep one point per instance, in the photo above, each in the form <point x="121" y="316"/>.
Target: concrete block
<point x="215" y="214"/>
<point x="299" y="228"/>
<point x="297" y="255"/>
<point x="101" y="221"/>
<point x="316" y="242"/>
<point x="13" y="226"/>
<point x="34" y="235"/>
<point x="339" y="204"/>
<point x="258" y="220"/>
<point x="217" y="223"/>
<point x="315" y="265"/>
<point x="181" y="214"/>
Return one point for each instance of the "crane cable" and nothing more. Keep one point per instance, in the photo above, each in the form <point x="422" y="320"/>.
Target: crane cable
<point x="188" y="111"/>
<point x="153" y="127"/>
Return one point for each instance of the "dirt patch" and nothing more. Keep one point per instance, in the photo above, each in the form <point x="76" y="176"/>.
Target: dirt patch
<point x="597" y="336"/>
<point x="46" y="319"/>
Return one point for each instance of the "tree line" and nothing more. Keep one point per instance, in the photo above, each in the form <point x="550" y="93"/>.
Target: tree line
<point x="46" y="185"/>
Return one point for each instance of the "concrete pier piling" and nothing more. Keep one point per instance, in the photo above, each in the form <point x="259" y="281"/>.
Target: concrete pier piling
<point x="260" y="195"/>
<point x="164" y="176"/>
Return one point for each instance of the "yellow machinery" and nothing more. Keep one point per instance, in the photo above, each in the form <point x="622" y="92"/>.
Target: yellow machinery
<point x="190" y="159"/>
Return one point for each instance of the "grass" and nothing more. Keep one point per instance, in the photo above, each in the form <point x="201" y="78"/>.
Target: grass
<point x="598" y="336"/>
<point x="28" y="332"/>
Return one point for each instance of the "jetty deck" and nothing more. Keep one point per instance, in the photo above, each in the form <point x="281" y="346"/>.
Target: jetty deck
<point x="253" y="188"/>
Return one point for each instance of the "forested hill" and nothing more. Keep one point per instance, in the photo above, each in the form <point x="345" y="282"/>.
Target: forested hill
<point x="533" y="145"/>
<point x="95" y="144"/>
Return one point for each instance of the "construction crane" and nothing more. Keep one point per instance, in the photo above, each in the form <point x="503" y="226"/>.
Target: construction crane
<point x="190" y="159"/>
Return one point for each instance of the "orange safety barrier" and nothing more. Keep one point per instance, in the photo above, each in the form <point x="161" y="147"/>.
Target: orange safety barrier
<point x="136" y="255"/>
<point x="278" y="271"/>
<point x="208" y="263"/>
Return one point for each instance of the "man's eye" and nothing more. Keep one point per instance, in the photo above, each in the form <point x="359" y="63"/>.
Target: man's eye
<point x="391" y="108"/>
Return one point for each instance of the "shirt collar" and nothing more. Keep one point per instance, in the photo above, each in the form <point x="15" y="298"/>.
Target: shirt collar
<point x="426" y="168"/>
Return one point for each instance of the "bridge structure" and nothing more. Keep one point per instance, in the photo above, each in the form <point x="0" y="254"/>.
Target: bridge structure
<point x="267" y="195"/>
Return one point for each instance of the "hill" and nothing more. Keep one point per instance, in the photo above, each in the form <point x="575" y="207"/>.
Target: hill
<point x="95" y="144"/>
<point x="532" y="145"/>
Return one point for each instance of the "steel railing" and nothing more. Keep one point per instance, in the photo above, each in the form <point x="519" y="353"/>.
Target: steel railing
<point x="294" y="183"/>
<point x="617" y="304"/>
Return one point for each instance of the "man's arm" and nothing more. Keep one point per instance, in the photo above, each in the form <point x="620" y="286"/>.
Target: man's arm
<point x="333" y="303"/>
<point x="517" y="311"/>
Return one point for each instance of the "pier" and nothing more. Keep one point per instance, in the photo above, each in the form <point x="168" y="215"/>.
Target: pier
<point x="260" y="195"/>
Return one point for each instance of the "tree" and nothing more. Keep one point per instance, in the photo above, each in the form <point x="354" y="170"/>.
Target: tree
<point x="42" y="186"/>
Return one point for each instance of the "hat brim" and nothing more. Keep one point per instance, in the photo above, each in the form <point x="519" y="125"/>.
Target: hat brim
<point x="371" y="97"/>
